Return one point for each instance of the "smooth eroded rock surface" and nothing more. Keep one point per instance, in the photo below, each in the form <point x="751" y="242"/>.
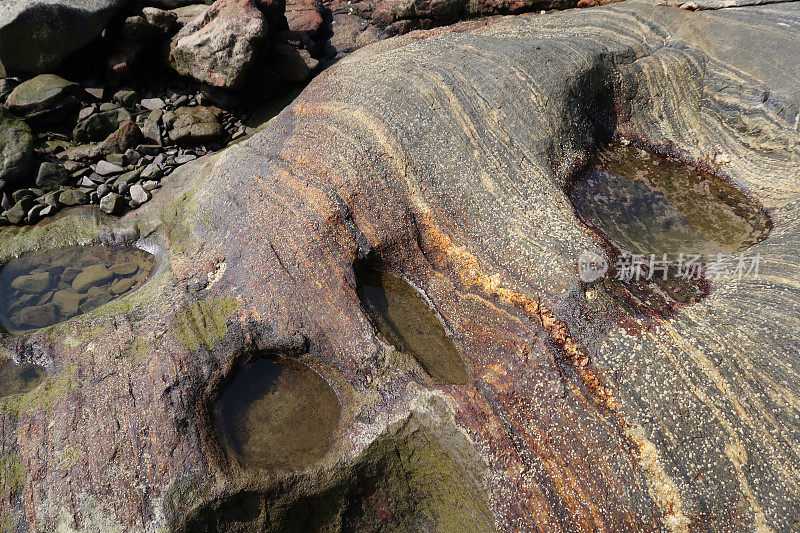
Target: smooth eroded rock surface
<point x="448" y="154"/>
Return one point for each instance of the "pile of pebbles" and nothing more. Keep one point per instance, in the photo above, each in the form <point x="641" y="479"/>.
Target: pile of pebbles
<point x="110" y="147"/>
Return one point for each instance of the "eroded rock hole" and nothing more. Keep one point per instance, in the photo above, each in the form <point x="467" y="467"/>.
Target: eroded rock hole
<point x="658" y="215"/>
<point x="277" y="415"/>
<point x="403" y="318"/>
<point x="42" y="288"/>
<point x="18" y="379"/>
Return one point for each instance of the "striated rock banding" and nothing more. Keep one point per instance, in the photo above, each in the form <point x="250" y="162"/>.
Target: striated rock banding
<point x="448" y="154"/>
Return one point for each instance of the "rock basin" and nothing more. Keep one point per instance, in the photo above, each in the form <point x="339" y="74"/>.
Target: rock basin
<point x="402" y="317"/>
<point x="277" y="415"/>
<point x="16" y="379"/>
<point x="664" y="221"/>
<point x="43" y="288"/>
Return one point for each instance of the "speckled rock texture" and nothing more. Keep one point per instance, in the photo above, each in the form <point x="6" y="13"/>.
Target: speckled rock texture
<point x="61" y="27"/>
<point x="448" y="153"/>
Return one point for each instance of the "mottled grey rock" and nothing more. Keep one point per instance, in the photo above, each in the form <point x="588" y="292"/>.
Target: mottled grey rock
<point x="36" y="35"/>
<point x="99" y="126"/>
<point x="220" y="46"/>
<point x="138" y="194"/>
<point x="125" y="97"/>
<point x="193" y="125"/>
<point x="112" y="203"/>
<point x="16" y="149"/>
<point x="106" y="168"/>
<point x="44" y="99"/>
<point x="71" y="197"/>
<point x="152" y="104"/>
<point x="51" y="176"/>
<point x="19" y="211"/>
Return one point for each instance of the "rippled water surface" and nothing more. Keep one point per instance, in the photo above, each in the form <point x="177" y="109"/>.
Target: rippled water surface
<point x="42" y="288"/>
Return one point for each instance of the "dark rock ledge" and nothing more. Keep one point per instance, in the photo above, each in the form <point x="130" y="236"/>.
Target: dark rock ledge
<point x="447" y="154"/>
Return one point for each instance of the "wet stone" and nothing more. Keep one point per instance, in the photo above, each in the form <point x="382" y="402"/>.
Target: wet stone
<point x="42" y="288"/>
<point x="402" y="317"/>
<point x="277" y="415"/>
<point x="645" y="203"/>
<point x="18" y="379"/>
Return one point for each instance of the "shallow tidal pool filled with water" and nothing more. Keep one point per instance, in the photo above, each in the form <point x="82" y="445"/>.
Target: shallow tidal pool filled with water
<point x="403" y="318"/>
<point x="277" y="415"/>
<point x="39" y="289"/>
<point x="667" y="220"/>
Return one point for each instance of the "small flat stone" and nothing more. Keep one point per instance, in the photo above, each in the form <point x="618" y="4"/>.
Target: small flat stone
<point x="91" y="276"/>
<point x="67" y="302"/>
<point x="122" y="286"/>
<point x="33" y="283"/>
<point x="39" y="316"/>
<point x="125" y="269"/>
<point x="106" y="168"/>
<point x="116" y="159"/>
<point x="153" y="103"/>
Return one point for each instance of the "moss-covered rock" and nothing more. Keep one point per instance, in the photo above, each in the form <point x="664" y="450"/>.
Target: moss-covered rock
<point x="16" y="149"/>
<point x="203" y="322"/>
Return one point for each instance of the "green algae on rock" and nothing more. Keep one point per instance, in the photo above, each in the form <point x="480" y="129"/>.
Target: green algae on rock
<point x="43" y="288"/>
<point x="277" y="415"/>
<point x="406" y="321"/>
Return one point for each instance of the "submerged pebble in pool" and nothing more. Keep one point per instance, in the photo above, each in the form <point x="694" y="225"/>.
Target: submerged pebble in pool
<point x="648" y="204"/>
<point x="16" y="379"/>
<point x="277" y="415"/>
<point x="42" y="288"/>
<point x="405" y="320"/>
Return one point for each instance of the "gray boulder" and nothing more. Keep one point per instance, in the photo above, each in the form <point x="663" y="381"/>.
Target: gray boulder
<point x="47" y="98"/>
<point x="220" y="46"/>
<point x="16" y="148"/>
<point x="51" y="176"/>
<point x="36" y="35"/>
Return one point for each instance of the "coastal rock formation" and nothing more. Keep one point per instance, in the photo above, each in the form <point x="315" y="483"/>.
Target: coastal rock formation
<point x="16" y="148"/>
<point x="62" y="27"/>
<point x="449" y="155"/>
<point x="220" y="46"/>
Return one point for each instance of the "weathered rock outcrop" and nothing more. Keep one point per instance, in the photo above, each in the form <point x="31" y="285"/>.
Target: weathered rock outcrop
<point x="220" y="46"/>
<point x="448" y="154"/>
<point x="36" y="35"/>
<point x="16" y="148"/>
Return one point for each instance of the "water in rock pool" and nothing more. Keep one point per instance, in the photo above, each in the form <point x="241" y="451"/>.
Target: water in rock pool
<point x="645" y="204"/>
<point x="42" y="288"/>
<point x="15" y="379"/>
<point x="277" y="415"/>
<point x="405" y="320"/>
